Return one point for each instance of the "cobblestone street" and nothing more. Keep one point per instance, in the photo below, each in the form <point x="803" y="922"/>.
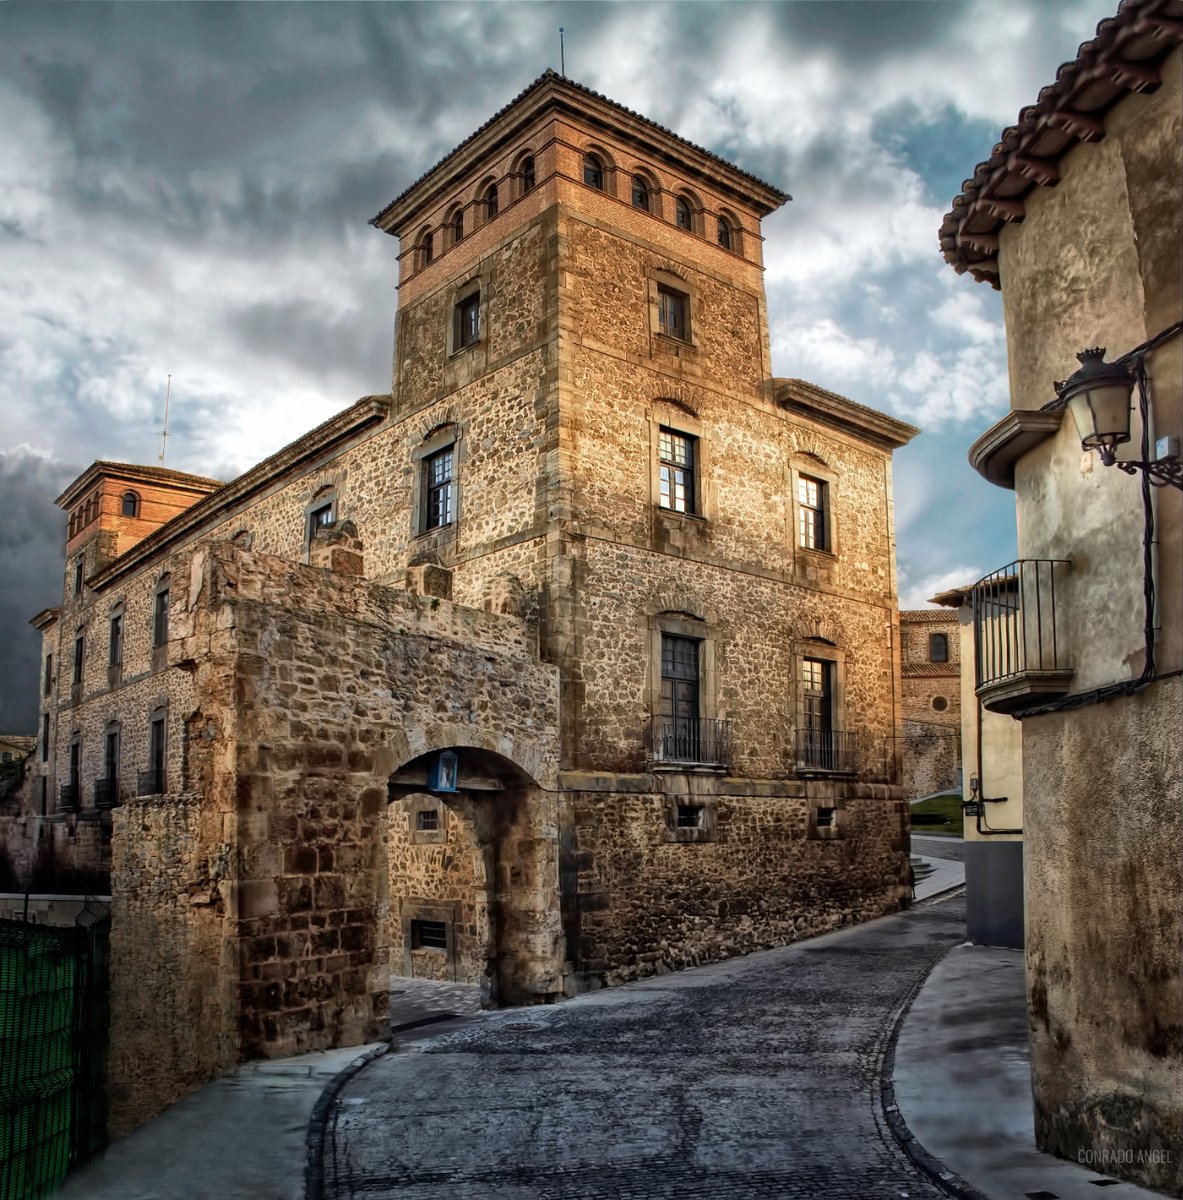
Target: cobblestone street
<point x="756" y="1077"/>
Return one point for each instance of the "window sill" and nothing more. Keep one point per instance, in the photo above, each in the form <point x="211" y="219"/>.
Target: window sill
<point x="459" y="351"/>
<point x="677" y="514"/>
<point x="814" y="552"/>
<point x="674" y="345"/>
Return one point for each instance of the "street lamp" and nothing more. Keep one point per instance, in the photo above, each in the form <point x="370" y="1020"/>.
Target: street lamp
<point x="1098" y="396"/>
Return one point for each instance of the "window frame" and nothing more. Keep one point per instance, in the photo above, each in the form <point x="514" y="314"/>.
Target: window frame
<point x="662" y="343"/>
<point x="813" y="525"/>
<point x="79" y="568"/>
<point x="445" y="517"/>
<point x="325" y="498"/>
<point x="78" y="674"/>
<point x="135" y="504"/>
<point x="48" y="674"/>
<point x="528" y="173"/>
<point x="933" y="638"/>
<point x="594" y="171"/>
<point x="448" y="436"/>
<point x="161" y="602"/>
<point x="670" y="470"/>
<point x="639" y="186"/>
<point x="491" y="200"/>
<point x="813" y="469"/>
<point x="818" y="650"/>
<point x="115" y="638"/>
<point x="671" y="300"/>
<point x="466" y="332"/>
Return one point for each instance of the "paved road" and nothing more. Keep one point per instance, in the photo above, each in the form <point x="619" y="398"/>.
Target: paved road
<point x="939" y="847"/>
<point x="748" y="1079"/>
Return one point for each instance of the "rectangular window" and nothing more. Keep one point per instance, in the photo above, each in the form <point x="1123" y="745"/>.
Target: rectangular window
<point x="689" y="816"/>
<point x="111" y="756"/>
<point x="160" y="619"/>
<point x="75" y="762"/>
<point x="45" y="737"/>
<point x="427" y="820"/>
<point x="675" y="453"/>
<point x="679" y="699"/>
<point x="824" y="818"/>
<point x="673" y="313"/>
<point x="49" y="674"/>
<point x="812" y="533"/>
<point x="438" y="490"/>
<point x="78" y="578"/>
<point x="318" y="518"/>
<point x="115" y="653"/>
<point x="156" y="744"/>
<point x="44" y="795"/>
<point x="429" y="935"/>
<point x="817" y="714"/>
<point x="79" y="658"/>
<point x="468" y="321"/>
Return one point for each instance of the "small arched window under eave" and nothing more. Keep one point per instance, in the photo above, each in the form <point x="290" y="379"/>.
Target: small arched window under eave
<point x="491" y="202"/>
<point x="938" y="648"/>
<point x="130" y="505"/>
<point x="426" y="248"/>
<point x="593" y="172"/>
<point x="640" y="193"/>
<point x="725" y="238"/>
<point x="456" y="226"/>
<point x="527" y="173"/>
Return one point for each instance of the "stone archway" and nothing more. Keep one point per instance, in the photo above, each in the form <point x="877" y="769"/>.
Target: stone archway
<point x="473" y="883"/>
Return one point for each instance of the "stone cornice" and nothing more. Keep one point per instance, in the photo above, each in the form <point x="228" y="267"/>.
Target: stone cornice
<point x="131" y="473"/>
<point x="828" y="408"/>
<point x="45" y="618"/>
<point x="995" y="453"/>
<point x="367" y="411"/>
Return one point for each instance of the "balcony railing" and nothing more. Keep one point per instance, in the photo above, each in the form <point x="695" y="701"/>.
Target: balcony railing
<point x="69" y="797"/>
<point x="106" y="793"/>
<point x="829" y="751"/>
<point x="1018" y="635"/>
<point x="701" y="741"/>
<point x="151" y="783"/>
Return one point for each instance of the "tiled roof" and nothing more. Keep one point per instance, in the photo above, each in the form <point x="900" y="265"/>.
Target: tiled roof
<point x="133" y="471"/>
<point x="912" y="615"/>
<point x="1124" y="56"/>
<point x="550" y="76"/>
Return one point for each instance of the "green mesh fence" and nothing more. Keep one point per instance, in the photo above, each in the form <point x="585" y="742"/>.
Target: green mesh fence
<point x="53" y="1030"/>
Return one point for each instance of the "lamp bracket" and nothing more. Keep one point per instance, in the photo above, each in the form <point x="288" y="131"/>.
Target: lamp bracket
<point x="1163" y="472"/>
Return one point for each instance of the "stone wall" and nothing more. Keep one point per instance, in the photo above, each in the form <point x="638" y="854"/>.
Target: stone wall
<point x="641" y="902"/>
<point x="932" y="758"/>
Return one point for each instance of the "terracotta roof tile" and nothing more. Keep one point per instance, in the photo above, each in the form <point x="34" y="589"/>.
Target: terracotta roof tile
<point x="913" y="670"/>
<point x="1124" y="56"/>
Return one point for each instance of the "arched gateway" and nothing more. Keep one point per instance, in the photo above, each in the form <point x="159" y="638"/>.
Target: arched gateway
<point x="474" y="875"/>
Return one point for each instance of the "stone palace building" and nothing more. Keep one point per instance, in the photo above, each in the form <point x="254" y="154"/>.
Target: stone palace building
<point x="573" y="659"/>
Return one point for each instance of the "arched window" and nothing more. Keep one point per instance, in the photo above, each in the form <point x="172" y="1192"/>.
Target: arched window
<point x="938" y="647"/>
<point x="593" y="172"/>
<point x="456" y="225"/>
<point x="640" y="193"/>
<point x="528" y="179"/>
<point x="426" y="248"/>
<point x="683" y="214"/>
<point x="131" y="505"/>
<point x="491" y="202"/>
<point x="724" y="237"/>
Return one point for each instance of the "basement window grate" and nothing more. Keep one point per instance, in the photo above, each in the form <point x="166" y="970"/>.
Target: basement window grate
<point x="429" y="935"/>
<point x="689" y="816"/>
<point x="427" y="820"/>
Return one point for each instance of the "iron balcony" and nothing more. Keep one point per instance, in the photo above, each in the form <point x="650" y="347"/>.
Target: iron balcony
<point x="828" y="751"/>
<point x="152" y="783"/>
<point x="69" y="797"/>
<point x="697" y="741"/>
<point x="106" y="793"/>
<point x="1019" y="647"/>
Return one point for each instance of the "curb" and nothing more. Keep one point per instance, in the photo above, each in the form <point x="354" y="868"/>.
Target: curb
<point x="948" y="1181"/>
<point x="318" y="1122"/>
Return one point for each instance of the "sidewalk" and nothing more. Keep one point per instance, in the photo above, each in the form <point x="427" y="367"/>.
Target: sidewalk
<point x="944" y="874"/>
<point x="238" y="1137"/>
<point x="963" y="1086"/>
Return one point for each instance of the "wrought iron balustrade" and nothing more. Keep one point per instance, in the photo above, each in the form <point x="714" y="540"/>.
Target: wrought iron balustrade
<point x="704" y="741"/>
<point x="69" y="797"/>
<point x="152" y="783"/>
<point x="106" y="793"/>
<point x="1019" y="648"/>
<point x="830" y="750"/>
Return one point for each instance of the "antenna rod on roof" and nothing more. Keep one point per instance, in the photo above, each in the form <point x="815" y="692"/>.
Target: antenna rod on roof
<point x="562" y="55"/>
<point x="164" y="432"/>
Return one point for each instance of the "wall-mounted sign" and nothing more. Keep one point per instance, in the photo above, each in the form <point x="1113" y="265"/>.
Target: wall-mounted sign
<point x="972" y="809"/>
<point x="445" y="772"/>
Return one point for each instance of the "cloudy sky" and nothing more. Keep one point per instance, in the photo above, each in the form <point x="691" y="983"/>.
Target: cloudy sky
<point x="185" y="189"/>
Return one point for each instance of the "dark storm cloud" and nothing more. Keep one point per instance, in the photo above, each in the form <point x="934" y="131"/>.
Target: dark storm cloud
<point x="185" y="188"/>
<point x="32" y="542"/>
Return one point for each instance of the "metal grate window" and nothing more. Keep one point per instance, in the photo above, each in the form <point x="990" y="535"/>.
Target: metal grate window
<point x="689" y="816"/>
<point x="427" y="820"/>
<point x="824" y="818"/>
<point x="811" y="513"/>
<point x="429" y="935"/>
<point x="675" y="453"/>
